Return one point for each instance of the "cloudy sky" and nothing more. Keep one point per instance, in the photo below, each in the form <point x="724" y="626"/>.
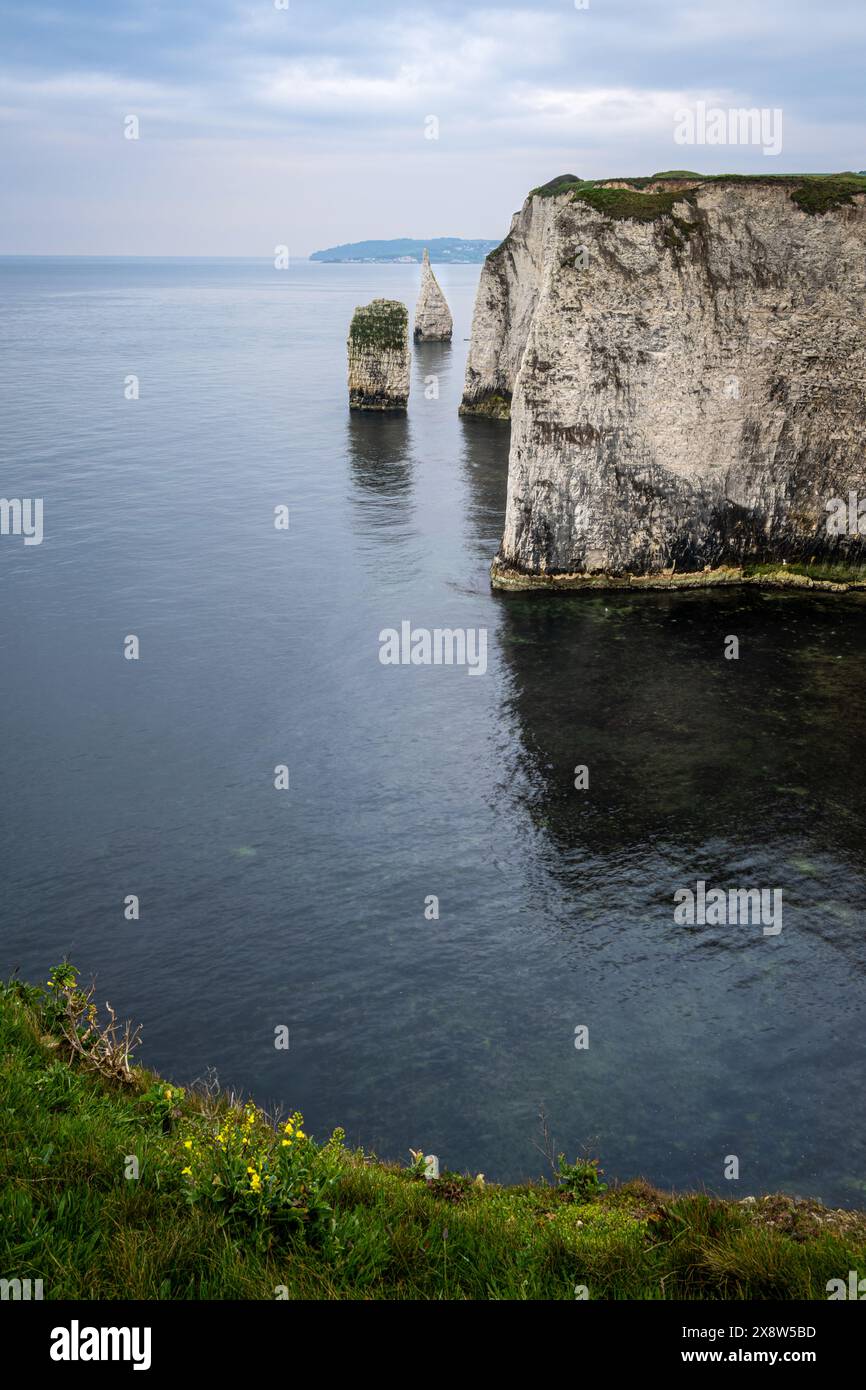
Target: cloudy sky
<point x="309" y="125"/>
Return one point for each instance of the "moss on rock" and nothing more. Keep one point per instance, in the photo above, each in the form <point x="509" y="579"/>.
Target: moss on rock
<point x="383" y="323"/>
<point x="495" y="405"/>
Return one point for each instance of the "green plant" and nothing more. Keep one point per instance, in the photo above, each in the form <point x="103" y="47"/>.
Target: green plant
<point x="450" y="1187"/>
<point x="164" y="1103"/>
<point x="418" y="1167"/>
<point x="32" y="996"/>
<point x="275" y="1179"/>
<point x="73" y="1016"/>
<point x="582" y="1179"/>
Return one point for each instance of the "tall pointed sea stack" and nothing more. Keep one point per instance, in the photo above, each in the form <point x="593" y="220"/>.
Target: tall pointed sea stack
<point x="379" y="356"/>
<point x="432" y="316"/>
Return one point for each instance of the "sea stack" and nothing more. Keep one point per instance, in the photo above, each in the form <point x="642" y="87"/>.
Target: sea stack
<point x="379" y="356"/>
<point x="682" y="359"/>
<point x="433" y="322"/>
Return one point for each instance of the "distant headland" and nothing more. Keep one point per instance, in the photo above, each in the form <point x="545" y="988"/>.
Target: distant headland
<point x="442" y="249"/>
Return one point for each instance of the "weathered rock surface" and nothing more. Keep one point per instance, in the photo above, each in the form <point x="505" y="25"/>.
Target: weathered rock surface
<point x="686" y="365"/>
<point x="379" y="357"/>
<point x="504" y="306"/>
<point x="433" y="323"/>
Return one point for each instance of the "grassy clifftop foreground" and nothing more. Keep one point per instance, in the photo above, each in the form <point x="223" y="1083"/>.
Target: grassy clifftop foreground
<point x="116" y="1184"/>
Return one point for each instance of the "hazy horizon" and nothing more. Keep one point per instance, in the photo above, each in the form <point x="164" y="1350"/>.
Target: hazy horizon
<point x="170" y="256"/>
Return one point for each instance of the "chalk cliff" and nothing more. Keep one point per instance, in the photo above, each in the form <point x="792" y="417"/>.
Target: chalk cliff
<point x="684" y="363"/>
<point x="379" y="356"/>
<point x="432" y="316"/>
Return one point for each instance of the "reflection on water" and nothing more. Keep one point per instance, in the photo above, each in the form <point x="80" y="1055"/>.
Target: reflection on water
<point x="379" y="449"/>
<point x="684" y="744"/>
<point x="737" y="773"/>
<point x="432" y="360"/>
<point x="380" y="455"/>
<point x="485" y="462"/>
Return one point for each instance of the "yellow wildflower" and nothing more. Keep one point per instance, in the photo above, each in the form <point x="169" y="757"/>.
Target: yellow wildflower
<point x="187" y="1143"/>
<point x="186" y="1172"/>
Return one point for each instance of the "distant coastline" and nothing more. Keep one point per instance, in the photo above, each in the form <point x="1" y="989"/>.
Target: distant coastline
<point x="456" y="250"/>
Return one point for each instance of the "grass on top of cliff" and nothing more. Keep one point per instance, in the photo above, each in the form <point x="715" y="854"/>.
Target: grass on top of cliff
<point x="116" y="1184"/>
<point x="812" y="193"/>
<point x="629" y="203"/>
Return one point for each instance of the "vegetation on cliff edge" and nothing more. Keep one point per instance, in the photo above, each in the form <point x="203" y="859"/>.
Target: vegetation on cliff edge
<point x="229" y="1203"/>
<point x="812" y="193"/>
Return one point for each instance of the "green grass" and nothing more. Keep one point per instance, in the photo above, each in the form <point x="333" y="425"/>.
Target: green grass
<point x="819" y="195"/>
<point x="629" y="202"/>
<point x="70" y="1217"/>
<point x="812" y="193"/>
<point x="560" y="184"/>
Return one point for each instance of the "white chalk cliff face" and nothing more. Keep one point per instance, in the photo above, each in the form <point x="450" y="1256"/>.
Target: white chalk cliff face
<point x="379" y="357"/>
<point x="432" y="316"/>
<point x="504" y="306"/>
<point x="686" y="370"/>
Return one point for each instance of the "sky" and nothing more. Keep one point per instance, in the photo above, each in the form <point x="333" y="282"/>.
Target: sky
<point x="305" y="123"/>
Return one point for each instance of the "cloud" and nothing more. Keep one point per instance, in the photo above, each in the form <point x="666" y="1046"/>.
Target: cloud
<point x="318" y="93"/>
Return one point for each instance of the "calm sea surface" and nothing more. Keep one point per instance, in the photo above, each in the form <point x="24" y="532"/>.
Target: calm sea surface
<point x="306" y="907"/>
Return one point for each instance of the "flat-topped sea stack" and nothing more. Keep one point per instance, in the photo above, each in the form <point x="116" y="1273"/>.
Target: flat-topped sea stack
<point x="683" y="359"/>
<point x="433" y="323"/>
<point x="379" y="356"/>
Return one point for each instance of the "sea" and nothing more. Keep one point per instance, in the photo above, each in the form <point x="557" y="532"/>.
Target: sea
<point x="451" y="892"/>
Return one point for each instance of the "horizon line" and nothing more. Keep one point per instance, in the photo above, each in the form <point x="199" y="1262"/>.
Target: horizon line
<point x="131" y="256"/>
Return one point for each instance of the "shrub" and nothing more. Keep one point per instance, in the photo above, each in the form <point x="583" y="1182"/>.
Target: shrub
<point x="71" y="1013"/>
<point x="276" y="1180"/>
<point x="581" y="1179"/>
